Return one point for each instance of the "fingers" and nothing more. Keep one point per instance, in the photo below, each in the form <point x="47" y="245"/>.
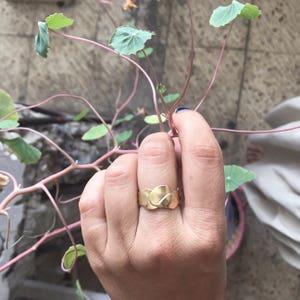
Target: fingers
<point x="202" y="164"/>
<point x="92" y="212"/>
<point x="120" y="193"/>
<point x="157" y="166"/>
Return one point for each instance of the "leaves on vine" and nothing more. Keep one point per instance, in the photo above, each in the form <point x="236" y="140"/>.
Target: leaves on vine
<point x="42" y="40"/>
<point x="6" y="107"/>
<point x="236" y="176"/>
<point x="145" y="52"/>
<point x="129" y="40"/>
<point x="58" y="21"/>
<point x="70" y="257"/>
<point x="127" y="118"/>
<point x="225" y="14"/>
<point x="250" y="11"/>
<point x="8" y="124"/>
<point x="95" y="133"/>
<point x="153" y="119"/>
<point x="161" y="88"/>
<point x="81" y="115"/>
<point x="124" y="136"/>
<point x="171" y="97"/>
<point x="25" y="152"/>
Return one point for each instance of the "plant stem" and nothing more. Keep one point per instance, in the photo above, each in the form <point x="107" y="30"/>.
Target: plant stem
<point x="155" y="103"/>
<point x="38" y="244"/>
<point x="216" y="69"/>
<point x="192" y="56"/>
<point x="120" y="109"/>
<point x="255" y="131"/>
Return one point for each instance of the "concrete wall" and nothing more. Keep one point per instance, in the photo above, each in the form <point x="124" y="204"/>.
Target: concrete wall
<point x="260" y="69"/>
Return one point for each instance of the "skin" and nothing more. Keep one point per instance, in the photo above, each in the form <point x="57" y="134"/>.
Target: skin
<point x="161" y="254"/>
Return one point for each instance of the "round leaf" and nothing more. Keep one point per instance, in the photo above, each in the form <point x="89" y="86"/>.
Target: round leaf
<point x="250" y="11"/>
<point x="225" y="14"/>
<point x="236" y="176"/>
<point x="42" y="40"/>
<point x="153" y="119"/>
<point x="144" y="53"/>
<point x="129" y="40"/>
<point x="58" y="21"/>
<point x="95" y="133"/>
<point x="70" y="256"/>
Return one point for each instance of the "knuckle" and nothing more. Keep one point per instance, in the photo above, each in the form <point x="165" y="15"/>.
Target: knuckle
<point x="160" y="251"/>
<point x="212" y="247"/>
<point x="117" y="262"/>
<point x="117" y="174"/>
<point x="156" y="148"/>
<point x="206" y="153"/>
<point x="85" y="205"/>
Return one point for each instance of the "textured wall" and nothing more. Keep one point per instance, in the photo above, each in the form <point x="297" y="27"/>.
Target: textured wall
<point x="261" y="68"/>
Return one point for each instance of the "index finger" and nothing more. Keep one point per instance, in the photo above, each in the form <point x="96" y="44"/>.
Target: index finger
<point x="202" y="164"/>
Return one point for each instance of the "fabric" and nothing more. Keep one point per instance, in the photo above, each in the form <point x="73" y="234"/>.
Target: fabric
<point x="274" y="195"/>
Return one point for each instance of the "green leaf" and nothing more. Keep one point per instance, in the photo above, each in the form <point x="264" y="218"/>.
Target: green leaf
<point x="236" y="176"/>
<point x="225" y="14"/>
<point x="79" y="291"/>
<point x="25" y="153"/>
<point x="95" y="133"/>
<point x="250" y="11"/>
<point x="7" y="106"/>
<point x="81" y="115"/>
<point x="127" y="118"/>
<point x="7" y="124"/>
<point x="146" y="52"/>
<point x="171" y="97"/>
<point x="70" y="256"/>
<point x="161" y="88"/>
<point x="129" y="40"/>
<point x="42" y="40"/>
<point x="124" y="136"/>
<point x="153" y="119"/>
<point x="58" y="21"/>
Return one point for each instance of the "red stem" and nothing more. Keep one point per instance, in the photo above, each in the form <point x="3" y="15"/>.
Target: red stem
<point x="38" y="244"/>
<point x="216" y="69"/>
<point x="119" y="110"/>
<point x="192" y="56"/>
<point x="155" y="103"/>
<point x="254" y="131"/>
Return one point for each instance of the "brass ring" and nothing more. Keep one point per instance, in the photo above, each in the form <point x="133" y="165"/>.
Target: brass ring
<point x="159" y="197"/>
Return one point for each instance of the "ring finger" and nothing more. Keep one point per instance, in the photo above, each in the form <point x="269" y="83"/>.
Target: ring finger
<point x="157" y="166"/>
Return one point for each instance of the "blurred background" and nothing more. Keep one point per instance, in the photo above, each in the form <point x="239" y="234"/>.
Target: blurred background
<point x="260" y="69"/>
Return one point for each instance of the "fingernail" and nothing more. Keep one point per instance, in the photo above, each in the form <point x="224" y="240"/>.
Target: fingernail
<point x="181" y="108"/>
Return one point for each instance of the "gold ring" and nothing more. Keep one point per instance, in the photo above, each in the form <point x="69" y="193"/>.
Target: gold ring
<point x="159" y="197"/>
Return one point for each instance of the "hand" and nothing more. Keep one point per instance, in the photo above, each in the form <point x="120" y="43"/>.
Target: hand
<point x="165" y="254"/>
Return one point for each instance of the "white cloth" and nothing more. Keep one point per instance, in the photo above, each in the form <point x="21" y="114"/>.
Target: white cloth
<point x="274" y="195"/>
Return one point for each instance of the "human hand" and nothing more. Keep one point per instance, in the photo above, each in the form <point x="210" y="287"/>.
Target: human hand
<point x="160" y="254"/>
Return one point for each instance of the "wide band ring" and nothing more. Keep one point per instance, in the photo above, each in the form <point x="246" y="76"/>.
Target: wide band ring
<point x="159" y="197"/>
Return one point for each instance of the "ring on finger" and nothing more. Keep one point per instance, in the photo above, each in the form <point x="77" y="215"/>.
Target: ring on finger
<point x="160" y="196"/>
